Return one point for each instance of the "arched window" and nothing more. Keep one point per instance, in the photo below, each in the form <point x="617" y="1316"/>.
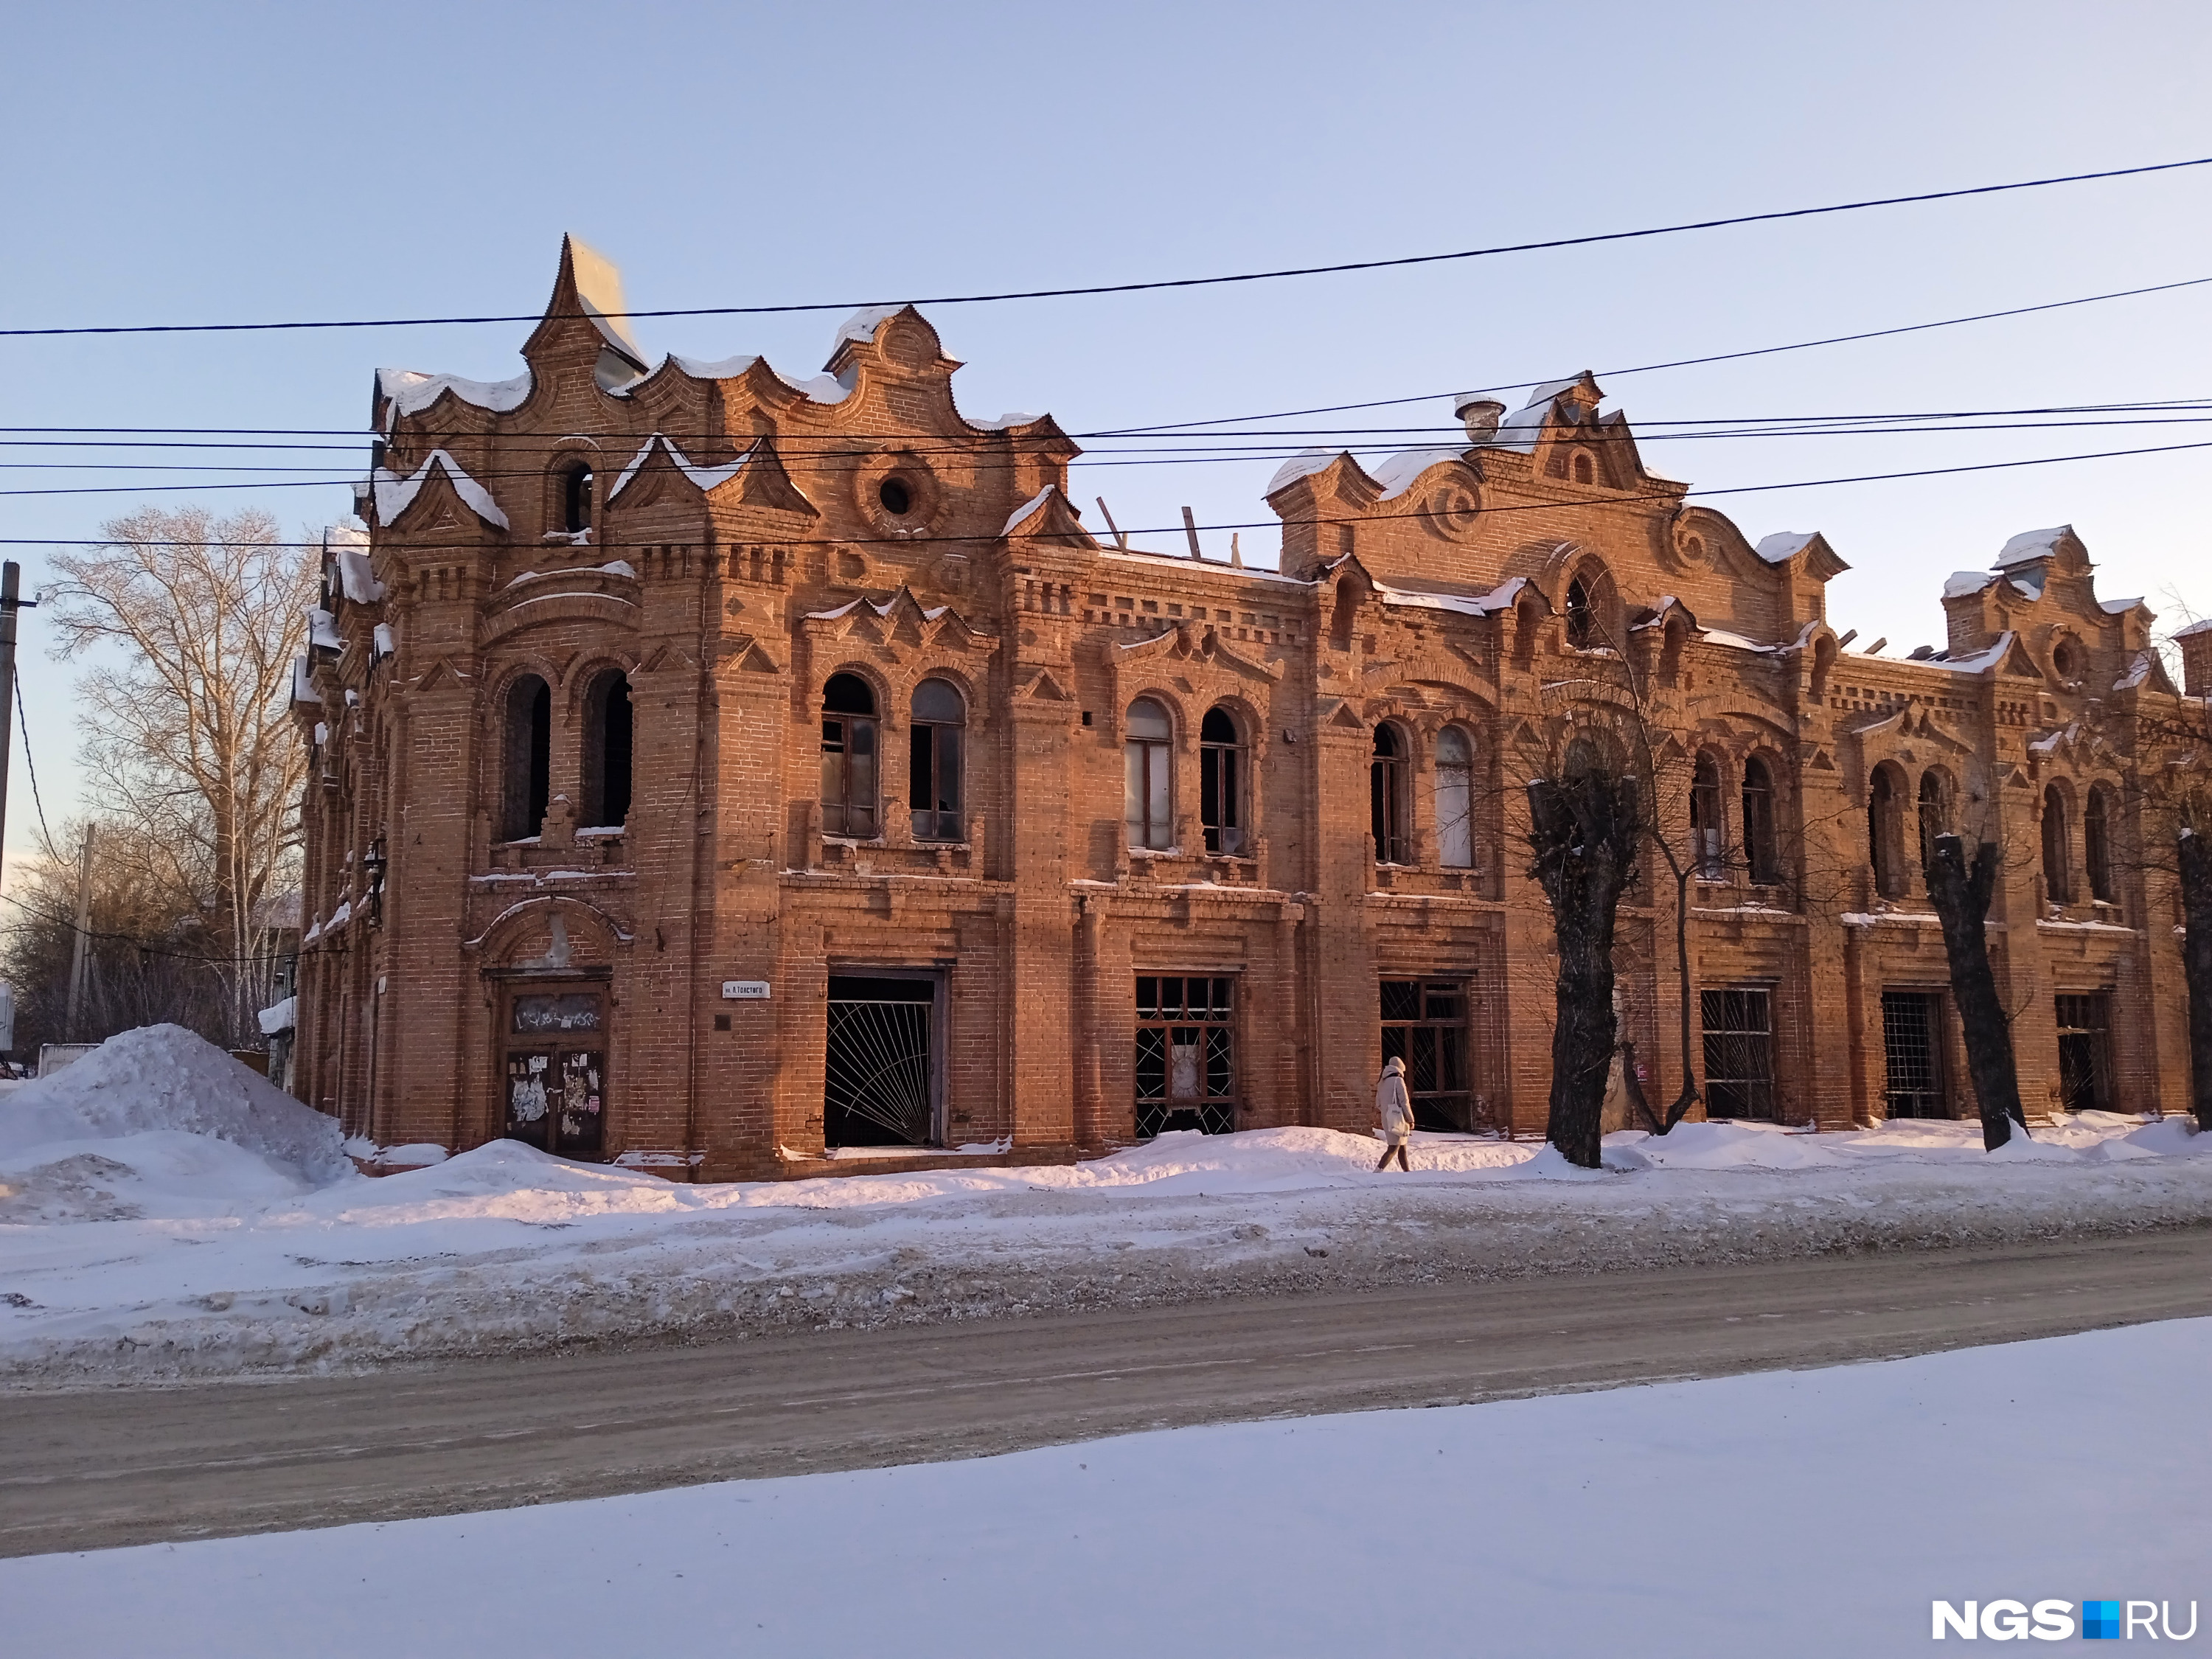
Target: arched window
<point x="1147" y="779"/>
<point x="1585" y="472"/>
<point x="2057" y="848"/>
<point x="1761" y="847"/>
<point x="1581" y="622"/>
<point x="933" y="775"/>
<point x="1934" y="815"/>
<point x="529" y="753"/>
<point x="848" y="758"/>
<point x="1582" y="759"/>
<point x="2097" y="843"/>
<point x="1708" y="835"/>
<point x="1455" y="798"/>
<point x="607" y="751"/>
<point x="576" y="497"/>
<point x="1386" y="785"/>
<point x="1221" y="782"/>
<point x="1885" y="829"/>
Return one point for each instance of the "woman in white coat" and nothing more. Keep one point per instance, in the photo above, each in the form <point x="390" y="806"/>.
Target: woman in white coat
<point x="1394" y="1106"/>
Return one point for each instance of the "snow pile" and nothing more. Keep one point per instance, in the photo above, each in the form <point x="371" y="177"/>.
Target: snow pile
<point x="162" y="1079"/>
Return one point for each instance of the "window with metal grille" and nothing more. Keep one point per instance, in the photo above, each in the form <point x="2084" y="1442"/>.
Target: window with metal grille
<point x="2085" y="1054"/>
<point x="1739" y="1025"/>
<point x="1425" y="1024"/>
<point x="1911" y="1029"/>
<point x="1186" y="1054"/>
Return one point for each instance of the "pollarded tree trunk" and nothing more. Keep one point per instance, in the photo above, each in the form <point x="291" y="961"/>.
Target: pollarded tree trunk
<point x="1961" y="898"/>
<point x="1584" y="833"/>
<point x="2196" y="860"/>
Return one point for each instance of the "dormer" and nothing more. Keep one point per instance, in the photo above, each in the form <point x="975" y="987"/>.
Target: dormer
<point x="895" y="338"/>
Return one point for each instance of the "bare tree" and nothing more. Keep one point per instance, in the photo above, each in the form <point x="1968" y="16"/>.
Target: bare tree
<point x="190" y="625"/>
<point x="1961" y="898"/>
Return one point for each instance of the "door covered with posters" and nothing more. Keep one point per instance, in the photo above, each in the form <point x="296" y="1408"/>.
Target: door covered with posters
<point x="555" y="1069"/>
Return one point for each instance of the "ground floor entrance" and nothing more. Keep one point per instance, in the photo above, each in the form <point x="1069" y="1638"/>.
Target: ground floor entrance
<point x="555" y="1069"/>
<point x="1186" y="1054"/>
<point x="1739" y="1052"/>
<point x="2085" y="1066"/>
<point x="881" y="1072"/>
<point x="1425" y="1024"/>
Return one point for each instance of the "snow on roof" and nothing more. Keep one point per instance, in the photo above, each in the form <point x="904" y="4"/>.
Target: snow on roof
<point x="1398" y="474"/>
<point x="323" y="631"/>
<point x="820" y="388"/>
<point x="1734" y="641"/>
<point x="1152" y="560"/>
<point x="1960" y="583"/>
<point x="1467" y="605"/>
<point x="706" y="477"/>
<point x="2028" y="585"/>
<point x="884" y="609"/>
<point x="1012" y="417"/>
<point x="2138" y="673"/>
<point x="600" y="290"/>
<point x="281" y="1017"/>
<point x="2193" y="628"/>
<point x="394" y="495"/>
<point x="303" y="689"/>
<point x="386" y="641"/>
<point x="714" y="369"/>
<point x="2119" y="607"/>
<point x="1784" y="546"/>
<point x="1026" y="508"/>
<point x="1979" y="662"/>
<point x="862" y="324"/>
<point x="2030" y="544"/>
<point x="1301" y="465"/>
<point x="355" y="578"/>
<point x="1521" y="429"/>
<point x="409" y="392"/>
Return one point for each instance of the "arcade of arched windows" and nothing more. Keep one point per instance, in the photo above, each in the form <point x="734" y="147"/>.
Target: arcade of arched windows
<point x="899" y="756"/>
<point x="1736" y="816"/>
<point x="530" y="729"/>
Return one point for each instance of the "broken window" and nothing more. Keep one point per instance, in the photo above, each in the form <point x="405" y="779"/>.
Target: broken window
<point x="576" y="498"/>
<point x="1581" y="623"/>
<point x="1885" y="829"/>
<point x="529" y="752"/>
<point x="848" y="758"/>
<point x="1707" y="835"/>
<point x="2097" y="843"/>
<point x="607" y="751"/>
<point x="1386" y="785"/>
<point x="1455" y="798"/>
<point x="2057" y="848"/>
<point x="940" y="716"/>
<point x="1425" y="1024"/>
<point x="1147" y="791"/>
<point x="1221" y="782"/>
<point x="2085" y="1060"/>
<point x="1186" y="1070"/>
<point x="1934" y="815"/>
<point x="1760" y="849"/>
<point x="1739" y="1033"/>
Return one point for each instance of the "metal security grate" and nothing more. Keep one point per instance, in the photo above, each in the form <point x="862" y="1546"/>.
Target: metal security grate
<point x="1186" y="1055"/>
<point x="1739" y="1053"/>
<point x="1911" y="1021"/>
<point x="1425" y="1024"/>
<point x="877" y="1077"/>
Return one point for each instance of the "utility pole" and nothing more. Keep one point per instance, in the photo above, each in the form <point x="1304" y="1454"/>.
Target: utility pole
<point x="83" y="925"/>
<point x="11" y="575"/>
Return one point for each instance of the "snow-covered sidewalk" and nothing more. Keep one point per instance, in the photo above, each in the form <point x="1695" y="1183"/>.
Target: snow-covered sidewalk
<point x="164" y="1212"/>
<point x="1810" y="1514"/>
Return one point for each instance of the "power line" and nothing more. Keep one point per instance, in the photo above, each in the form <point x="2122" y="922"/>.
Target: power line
<point x="23" y="726"/>
<point x="1157" y="284"/>
<point x="1616" y="498"/>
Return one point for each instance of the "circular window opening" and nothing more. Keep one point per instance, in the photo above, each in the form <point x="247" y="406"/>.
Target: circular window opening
<point x="2064" y="660"/>
<point x="898" y="499"/>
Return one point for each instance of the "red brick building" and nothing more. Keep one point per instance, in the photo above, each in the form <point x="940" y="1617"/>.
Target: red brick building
<point x="713" y="768"/>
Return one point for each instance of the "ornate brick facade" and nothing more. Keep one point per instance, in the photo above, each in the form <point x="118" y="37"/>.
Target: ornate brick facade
<point x="710" y="765"/>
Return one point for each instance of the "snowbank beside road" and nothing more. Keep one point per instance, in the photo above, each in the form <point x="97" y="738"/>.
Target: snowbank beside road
<point x="1806" y="1513"/>
<point x="220" y="1260"/>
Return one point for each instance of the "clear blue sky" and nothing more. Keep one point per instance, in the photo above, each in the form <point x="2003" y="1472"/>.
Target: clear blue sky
<point x="222" y="162"/>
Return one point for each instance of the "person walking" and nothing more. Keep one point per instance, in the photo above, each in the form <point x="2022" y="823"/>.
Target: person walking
<point x="1395" y="1108"/>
